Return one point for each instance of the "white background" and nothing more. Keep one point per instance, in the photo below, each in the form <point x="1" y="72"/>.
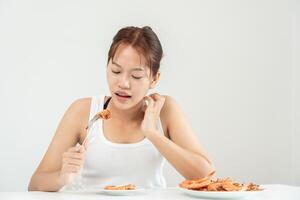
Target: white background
<point x="233" y="66"/>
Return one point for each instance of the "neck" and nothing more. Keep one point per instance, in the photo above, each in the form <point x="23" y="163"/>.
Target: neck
<point x="130" y="115"/>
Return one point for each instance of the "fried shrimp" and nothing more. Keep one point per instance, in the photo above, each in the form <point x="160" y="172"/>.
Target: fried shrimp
<point x="104" y="114"/>
<point x="196" y="184"/>
<point x="122" y="187"/>
<point x="225" y="185"/>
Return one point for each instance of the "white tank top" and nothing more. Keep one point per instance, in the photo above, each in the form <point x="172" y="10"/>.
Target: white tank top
<point x="109" y="163"/>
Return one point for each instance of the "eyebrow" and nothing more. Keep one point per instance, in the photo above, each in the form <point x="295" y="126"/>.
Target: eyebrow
<point x="134" y="69"/>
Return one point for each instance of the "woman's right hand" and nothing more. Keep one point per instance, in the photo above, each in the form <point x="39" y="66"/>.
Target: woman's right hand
<point x="72" y="163"/>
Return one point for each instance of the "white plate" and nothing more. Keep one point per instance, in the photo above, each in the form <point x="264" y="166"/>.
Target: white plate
<point x="220" y="195"/>
<point x="136" y="191"/>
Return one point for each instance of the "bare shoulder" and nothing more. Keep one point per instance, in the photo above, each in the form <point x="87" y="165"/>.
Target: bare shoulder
<point x="80" y="110"/>
<point x="169" y="105"/>
<point x="76" y="116"/>
<point x="81" y="105"/>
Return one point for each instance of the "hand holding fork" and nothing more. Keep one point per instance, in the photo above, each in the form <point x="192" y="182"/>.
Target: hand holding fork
<point x="73" y="158"/>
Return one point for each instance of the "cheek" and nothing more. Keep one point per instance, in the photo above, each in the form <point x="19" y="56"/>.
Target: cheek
<point x="140" y="88"/>
<point x="110" y="79"/>
<point x="139" y="84"/>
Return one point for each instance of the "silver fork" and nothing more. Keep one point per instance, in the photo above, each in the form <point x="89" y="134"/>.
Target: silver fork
<point x="93" y="120"/>
<point x="89" y="126"/>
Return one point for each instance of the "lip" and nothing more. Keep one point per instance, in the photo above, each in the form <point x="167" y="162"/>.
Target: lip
<point x="122" y="99"/>
<point x="122" y="93"/>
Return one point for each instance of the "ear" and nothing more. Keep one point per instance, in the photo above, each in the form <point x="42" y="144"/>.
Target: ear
<point x="155" y="80"/>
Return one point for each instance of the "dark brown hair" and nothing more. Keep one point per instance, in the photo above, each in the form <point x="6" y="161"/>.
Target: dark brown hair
<point x="144" y="40"/>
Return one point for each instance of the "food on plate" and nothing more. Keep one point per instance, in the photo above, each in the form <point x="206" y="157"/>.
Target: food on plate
<point x="221" y="185"/>
<point x="194" y="184"/>
<point x="121" y="187"/>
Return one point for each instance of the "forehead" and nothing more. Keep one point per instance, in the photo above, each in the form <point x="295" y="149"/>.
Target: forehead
<point x="128" y="57"/>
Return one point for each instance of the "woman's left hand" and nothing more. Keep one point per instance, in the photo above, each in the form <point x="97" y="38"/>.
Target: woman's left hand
<point x="152" y="113"/>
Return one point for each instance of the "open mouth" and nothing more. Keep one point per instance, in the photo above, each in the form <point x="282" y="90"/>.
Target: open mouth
<point x="122" y="95"/>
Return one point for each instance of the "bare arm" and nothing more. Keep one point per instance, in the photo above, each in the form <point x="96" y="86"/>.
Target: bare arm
<point x="182" y="150"/>
<point x="47" y="176"/>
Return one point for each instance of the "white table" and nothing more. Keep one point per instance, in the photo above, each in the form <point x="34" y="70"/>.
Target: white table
<point x="282" y="192"/>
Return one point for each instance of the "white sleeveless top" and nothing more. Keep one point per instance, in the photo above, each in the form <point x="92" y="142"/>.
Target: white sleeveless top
<point x="109" y="163"/>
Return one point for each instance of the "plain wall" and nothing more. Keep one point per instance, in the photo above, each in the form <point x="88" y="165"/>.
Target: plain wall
<point x="233" y="67"/>
<point x="296" y="88"/>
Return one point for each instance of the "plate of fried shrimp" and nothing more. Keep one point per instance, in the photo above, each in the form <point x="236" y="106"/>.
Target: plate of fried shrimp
<point x="226" y="188"/>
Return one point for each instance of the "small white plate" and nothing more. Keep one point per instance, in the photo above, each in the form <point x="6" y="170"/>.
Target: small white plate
<point x="220" y="195"/>
<point x="136" y="191"/>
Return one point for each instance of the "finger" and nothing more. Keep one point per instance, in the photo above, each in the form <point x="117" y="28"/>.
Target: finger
<point x="72" y="168"/>
<point x="86" y="143"/>
<point x="159" y="103"/>
<point x="76" y="169"/>
<point x="81" y="148"/>
<point x="73" y="155"/>
<point x="70" y="161"/>
<point x="158" y="98"/>
<point x="150" y="103"/>
<point x="149" y="100"/>
<point x="146" y="102"/>
<point x="145" y="105"/>
<point x="78" y="148"/>
<point x="155" y="96"/>
<point x="73" y="149"/>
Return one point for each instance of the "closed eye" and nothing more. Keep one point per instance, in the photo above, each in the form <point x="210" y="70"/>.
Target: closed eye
<point x="115" y="72"/>
<point x="136" y="77"/>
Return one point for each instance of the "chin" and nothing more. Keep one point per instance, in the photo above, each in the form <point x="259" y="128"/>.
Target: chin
<point x="126" y="105"/>
<point x="122" y="105"/>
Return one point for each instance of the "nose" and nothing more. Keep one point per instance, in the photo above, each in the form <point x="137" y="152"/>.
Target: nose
<point x="124" y="82"/>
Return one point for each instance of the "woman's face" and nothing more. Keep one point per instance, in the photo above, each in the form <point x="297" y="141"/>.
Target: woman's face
<point x="128" y="77"/>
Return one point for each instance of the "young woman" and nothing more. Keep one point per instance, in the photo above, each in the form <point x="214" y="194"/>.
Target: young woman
<point x="131" y="146"/>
